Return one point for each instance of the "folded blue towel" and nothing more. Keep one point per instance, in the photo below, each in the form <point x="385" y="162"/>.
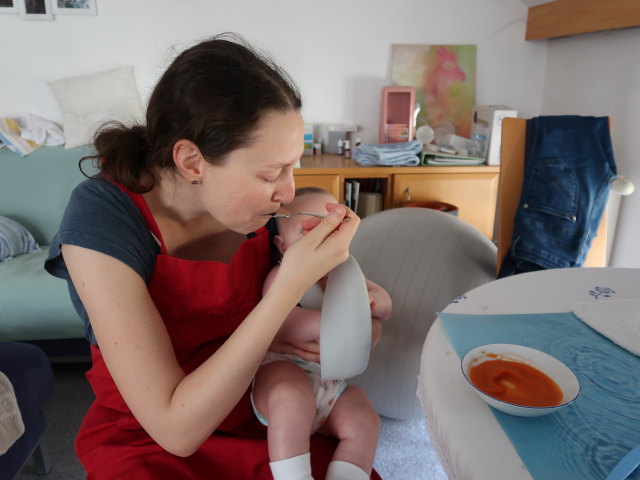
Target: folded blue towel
<point x="401" y="153"/>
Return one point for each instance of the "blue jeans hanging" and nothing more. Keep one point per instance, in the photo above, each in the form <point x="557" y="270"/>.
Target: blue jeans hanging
<point x="569" y="166"/>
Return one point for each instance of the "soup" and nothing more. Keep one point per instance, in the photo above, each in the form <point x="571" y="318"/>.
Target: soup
<point x="516" y="383"/>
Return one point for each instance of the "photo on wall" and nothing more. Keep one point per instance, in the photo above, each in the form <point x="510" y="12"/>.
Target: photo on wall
<point x="35" y="9"/>
<point x="8" y="6"/>
<point x="74" y="7"/>
<point x="444" y="77"/>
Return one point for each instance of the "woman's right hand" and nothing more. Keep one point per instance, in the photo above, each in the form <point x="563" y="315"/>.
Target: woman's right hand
<point x="324" y="246"/>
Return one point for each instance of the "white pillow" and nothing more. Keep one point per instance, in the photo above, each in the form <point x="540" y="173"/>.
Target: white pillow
<point x="88" y="101"/>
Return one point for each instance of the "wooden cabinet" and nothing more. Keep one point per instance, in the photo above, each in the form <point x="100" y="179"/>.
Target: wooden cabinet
<point x="330" y="182"/>
<point x="473" y="193"/>
<point x="472" y="189"/>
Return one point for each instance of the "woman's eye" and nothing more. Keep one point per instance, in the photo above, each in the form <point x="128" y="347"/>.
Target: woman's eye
<point x="271" y="178"/>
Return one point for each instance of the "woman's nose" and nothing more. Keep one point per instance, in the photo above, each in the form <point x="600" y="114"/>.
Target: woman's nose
<point x="285" y="190"/>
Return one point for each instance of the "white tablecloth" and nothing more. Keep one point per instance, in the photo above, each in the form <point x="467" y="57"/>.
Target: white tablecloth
<point x="470" y="442"/>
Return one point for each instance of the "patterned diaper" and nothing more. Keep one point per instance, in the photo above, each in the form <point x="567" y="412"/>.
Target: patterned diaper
<point x="325" y="392"/>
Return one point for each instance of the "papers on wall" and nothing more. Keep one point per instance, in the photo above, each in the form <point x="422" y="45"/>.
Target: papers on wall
<point x="10" y="137"/>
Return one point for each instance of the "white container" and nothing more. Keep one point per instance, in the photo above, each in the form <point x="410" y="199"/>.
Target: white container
<point x="490" y="117"/>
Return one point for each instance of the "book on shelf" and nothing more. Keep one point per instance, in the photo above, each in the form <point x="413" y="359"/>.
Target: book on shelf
<point x="446" y="159"/>
<point x="363" y="195"/>
<point x="369" y="203"/>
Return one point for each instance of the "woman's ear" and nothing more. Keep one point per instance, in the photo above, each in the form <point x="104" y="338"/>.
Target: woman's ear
<point x="188" y="160"/>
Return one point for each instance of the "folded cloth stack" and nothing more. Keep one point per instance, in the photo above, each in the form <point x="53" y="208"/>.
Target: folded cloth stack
<point x="401" y="153"/>
<point x="11" y="425"/>
<point x="618" y="320"/>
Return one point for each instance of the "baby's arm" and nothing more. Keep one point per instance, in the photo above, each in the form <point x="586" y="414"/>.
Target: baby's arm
<point x="301" y="325"/>
<point x="380" y="301"/>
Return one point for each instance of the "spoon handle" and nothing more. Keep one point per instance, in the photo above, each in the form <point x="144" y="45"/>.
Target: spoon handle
<point x="288" y="215"/>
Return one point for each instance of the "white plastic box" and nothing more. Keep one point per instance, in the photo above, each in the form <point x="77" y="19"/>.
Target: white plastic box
<point x="490" y="117"/>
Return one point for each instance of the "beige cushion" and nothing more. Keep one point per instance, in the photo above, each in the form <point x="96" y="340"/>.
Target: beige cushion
<point x="87" y="101"/>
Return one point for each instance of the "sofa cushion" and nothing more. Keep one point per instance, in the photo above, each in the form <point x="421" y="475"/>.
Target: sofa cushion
<point x="15" y="239"/>
<point x="87" y="101"/>
<point x="33" y="304"/>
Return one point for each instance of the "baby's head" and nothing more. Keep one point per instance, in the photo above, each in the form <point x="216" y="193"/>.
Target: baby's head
<point x="307" y="199"/>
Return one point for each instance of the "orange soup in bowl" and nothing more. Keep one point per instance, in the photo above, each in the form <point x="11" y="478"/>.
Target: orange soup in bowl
<point x="515" y="382"/>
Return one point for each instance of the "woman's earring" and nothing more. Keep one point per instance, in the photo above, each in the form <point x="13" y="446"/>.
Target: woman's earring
<point x="194" y="182"/>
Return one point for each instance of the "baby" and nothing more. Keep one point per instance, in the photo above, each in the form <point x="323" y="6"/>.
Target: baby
<point x="289" y="395"/>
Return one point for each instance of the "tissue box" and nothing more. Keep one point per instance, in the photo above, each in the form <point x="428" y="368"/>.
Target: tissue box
<point x="490" y="117"/>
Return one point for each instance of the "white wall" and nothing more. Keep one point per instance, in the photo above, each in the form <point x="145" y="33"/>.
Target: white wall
<point x="599" y="74"/>
<point x="337" y="51"/>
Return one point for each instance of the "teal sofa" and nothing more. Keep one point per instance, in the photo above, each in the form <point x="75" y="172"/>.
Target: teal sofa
<point x="34" y="191"/>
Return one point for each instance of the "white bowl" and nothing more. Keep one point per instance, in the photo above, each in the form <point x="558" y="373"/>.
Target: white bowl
<point x="550" y="366"/>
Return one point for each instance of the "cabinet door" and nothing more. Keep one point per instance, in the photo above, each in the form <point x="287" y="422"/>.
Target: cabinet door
<point x="329" y="182"/>
<point x="473" y="193"/>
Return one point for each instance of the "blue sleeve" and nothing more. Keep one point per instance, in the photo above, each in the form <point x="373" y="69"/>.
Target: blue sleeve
<point x="100" y="217"/>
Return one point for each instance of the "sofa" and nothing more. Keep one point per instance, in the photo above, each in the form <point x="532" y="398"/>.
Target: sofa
<point x="34" y="190"/>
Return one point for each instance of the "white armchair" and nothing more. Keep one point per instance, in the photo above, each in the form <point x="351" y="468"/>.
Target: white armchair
<point x="425" y="259"/>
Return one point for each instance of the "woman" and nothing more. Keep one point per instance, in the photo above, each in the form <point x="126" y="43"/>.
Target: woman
<point x="166" y="252"/>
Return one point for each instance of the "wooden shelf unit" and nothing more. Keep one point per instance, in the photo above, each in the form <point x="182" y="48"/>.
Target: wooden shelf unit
<point x="570" y="17"/>
<point x="472" y="189"/>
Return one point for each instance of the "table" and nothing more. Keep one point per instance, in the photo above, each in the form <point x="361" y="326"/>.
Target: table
<point x="458" y="420"/>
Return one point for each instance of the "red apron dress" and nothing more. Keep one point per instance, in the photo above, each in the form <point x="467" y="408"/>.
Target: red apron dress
<point x="201" y="303"/>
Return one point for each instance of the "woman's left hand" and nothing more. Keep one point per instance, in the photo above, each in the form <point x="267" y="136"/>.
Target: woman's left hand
<point x="307" y="350"/>
<point x="311" y="350"/>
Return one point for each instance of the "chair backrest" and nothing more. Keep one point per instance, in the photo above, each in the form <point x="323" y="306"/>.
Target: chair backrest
<point x="512" y="155"/>
<point x="425" y="259"/>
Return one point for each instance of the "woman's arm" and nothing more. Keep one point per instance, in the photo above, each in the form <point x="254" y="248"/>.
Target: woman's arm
<point x="301" y="325"/>
<point x="180" y="411"/>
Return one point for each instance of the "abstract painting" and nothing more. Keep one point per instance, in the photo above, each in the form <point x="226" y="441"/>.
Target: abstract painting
<point x="444" y="77"/>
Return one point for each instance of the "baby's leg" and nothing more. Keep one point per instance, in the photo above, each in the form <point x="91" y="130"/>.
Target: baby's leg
<point x="354" y="421"/>
<point x="283" y="394"/>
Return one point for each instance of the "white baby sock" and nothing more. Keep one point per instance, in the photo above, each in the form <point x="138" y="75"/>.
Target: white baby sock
<point x="294" y="468"/>
<point x="339" y="470"/>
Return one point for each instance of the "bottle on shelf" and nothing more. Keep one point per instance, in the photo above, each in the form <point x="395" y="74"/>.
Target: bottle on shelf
<point x="347" y="149"/>
<point x="340" y="146"/>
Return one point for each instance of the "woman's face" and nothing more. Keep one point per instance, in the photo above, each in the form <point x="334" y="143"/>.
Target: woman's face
<point x="256" y="180"/>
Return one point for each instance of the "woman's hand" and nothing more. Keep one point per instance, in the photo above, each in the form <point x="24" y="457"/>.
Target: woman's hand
<point x="311" y="350"/>
<point x="325" y="245"/>
<point x="308" y="350"/>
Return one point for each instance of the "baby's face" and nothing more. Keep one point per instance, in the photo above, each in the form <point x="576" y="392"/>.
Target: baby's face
<point x="291" y="229"/>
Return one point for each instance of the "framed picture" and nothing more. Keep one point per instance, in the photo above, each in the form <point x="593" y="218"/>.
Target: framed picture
<point x="74" y="7"/>
<point x="35" y="9"/>
<point x="8" y="6"/>
<point x="444" y="77"/>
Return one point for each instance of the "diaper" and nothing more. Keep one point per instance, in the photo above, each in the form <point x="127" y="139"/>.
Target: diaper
<point x="325" y="392"/>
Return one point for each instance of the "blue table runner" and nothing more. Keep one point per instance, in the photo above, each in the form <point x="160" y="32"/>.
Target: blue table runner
<point x="586" y="439"/>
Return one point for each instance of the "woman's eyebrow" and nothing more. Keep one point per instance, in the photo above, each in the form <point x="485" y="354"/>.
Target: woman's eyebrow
<point x="281" y="164"/>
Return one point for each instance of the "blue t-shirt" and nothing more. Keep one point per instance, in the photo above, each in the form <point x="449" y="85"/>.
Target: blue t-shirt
<point x="100" y="217"/>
